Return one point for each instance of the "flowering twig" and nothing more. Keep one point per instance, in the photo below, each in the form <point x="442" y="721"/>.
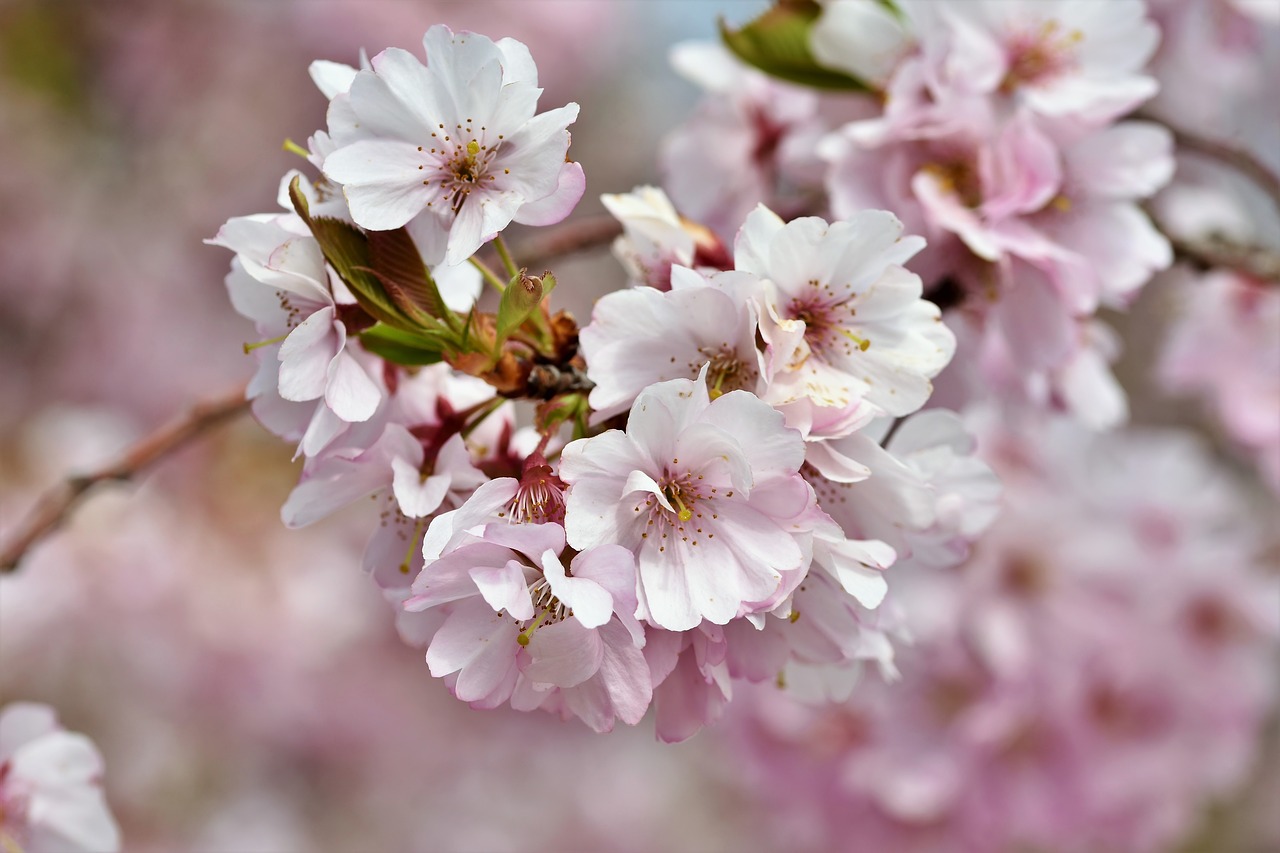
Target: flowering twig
<point x="53" y="508"/>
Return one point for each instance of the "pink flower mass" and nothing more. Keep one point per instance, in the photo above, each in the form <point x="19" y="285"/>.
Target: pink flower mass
<point x="895" y="425"/>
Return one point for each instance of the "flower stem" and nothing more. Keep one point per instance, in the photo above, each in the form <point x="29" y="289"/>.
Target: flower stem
<point x="489" y="275"/>
<point x="507" y="262"/>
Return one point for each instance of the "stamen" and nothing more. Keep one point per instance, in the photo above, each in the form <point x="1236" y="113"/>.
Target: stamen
<point x="248" y="348"/>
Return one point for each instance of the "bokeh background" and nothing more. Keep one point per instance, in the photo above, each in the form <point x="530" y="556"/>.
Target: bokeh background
<point x="244" y="682"/>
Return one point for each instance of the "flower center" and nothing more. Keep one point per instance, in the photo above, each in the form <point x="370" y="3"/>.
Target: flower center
<point x="550" y="610"/>
<point x="958" y="177"/>
<point x="725" y="371"/>
<point x="463" y="162"/>
<point x="689" y="504"/>
<point x="824" y="322"/>
<point x="539" y="498"/>
<point x="1039" y="55"/>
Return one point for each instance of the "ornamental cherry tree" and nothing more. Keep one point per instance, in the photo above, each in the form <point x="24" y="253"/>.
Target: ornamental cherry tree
<point x="891" y="257"/>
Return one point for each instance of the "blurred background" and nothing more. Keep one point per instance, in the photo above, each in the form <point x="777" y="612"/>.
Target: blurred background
<point x="244" y="682"/>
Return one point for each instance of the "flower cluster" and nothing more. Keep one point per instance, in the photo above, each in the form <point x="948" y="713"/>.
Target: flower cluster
<point x="1226" y="346"/>
<point x="50" y="786"/>
<point x="997" y="135"/>
<point x="723" y="507"/>
<point x="1097" y="671"/>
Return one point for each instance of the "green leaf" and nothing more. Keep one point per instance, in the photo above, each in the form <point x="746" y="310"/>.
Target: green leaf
<point x="406" y="277"/>
<point x="346" y="248"/>
<point x="401" y="347"/>
<point x="777" y="43"/>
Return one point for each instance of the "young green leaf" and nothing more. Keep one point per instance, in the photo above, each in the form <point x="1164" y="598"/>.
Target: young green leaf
<point x="777" y="43"/>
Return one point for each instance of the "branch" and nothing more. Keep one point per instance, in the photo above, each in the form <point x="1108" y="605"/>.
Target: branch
<point x="1214" y="251"/>
<point x="568" y="238"/>
<point x="54" y="507"/>
<point x="1234" y="156"/>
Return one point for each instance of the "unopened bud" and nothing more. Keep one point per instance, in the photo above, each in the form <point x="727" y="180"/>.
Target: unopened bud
<point x="518" y="301"/>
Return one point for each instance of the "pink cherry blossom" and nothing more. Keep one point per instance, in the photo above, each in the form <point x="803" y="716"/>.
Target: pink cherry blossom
<point x="50" y="786"/>
<point x="453" y="148"/>
<point x="1226" y="347"/>
<point x="703" y="491"/>
<point x="750" y="142"/>
<point x="641" y="336"/>
<point x="279" y="280"/>
<point x="521" y="628"/>
<point x="844" y="320"/>
<point x="1089" y="679"/>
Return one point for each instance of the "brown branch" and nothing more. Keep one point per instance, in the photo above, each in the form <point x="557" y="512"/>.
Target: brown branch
<point x="1214" y="251"/>
<point x="55" y="506"/>
<point x="1240" y="159"/>
<point x="568" y="238"/>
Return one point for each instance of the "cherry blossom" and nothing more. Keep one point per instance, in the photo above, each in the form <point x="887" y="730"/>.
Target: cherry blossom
<point x="50" y="786"/>
<point x="705" y="492"/>
<point x="698" y="322"/>
<point x="453" y="148"/>
<point x="845" y="321"/>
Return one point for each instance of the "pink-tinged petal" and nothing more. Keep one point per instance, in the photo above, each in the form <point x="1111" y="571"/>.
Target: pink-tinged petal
<point x="23" y="722"/>
<point x="1091" y="391"/>
<point x="858" y="565"/>
<point x="350" y="392"/>
<point x="322" y="429"/>
<point x="752" y="247"/>
<point x="505" y="588"/>
<point x="1133" y="159"/>
<point x="66" y="810"/>
<point x="332" y="483"/>
<point x="397" y="98"/>
<point x="713" y="452"/>
<point x="1035" y="323"/>
<point x="255" y="301"/>
<point x="763" y="548"/>
<point x="555" y="207"/>
<point x="529" y="539"/>
<point x="1025" y="171"/>
<point x="478" y="642"/>
<point x="517" y="63"/>
<point x="865" y="39"/>
<point x="759" y="430"/>
<point x="449" y="578"/>
<point x="331" y="78"/>
<point x="620" y="688"/>
<point x="305" y="356"/>
<point x="382" y="181"/>
<point x="454" y="462"/>
<point x="460" y="286"/>
<point x="686" y="701"/>
<point x="667" y="581"/>
<point x="783" y="499"/>
<point x="482" y="507"/>
<point x="564" y="654"/>
<point x="593" y="508"/>
<point x="465" y="69"/>
<point x="417" y="496"/>
<point x="592" y="605"/>
<point x="662" y="652"/>
<point x="614" y="568"/>
<point x="834" y="465"/>
<point x="535" y="154"/>
<point x="391" y="555"/>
